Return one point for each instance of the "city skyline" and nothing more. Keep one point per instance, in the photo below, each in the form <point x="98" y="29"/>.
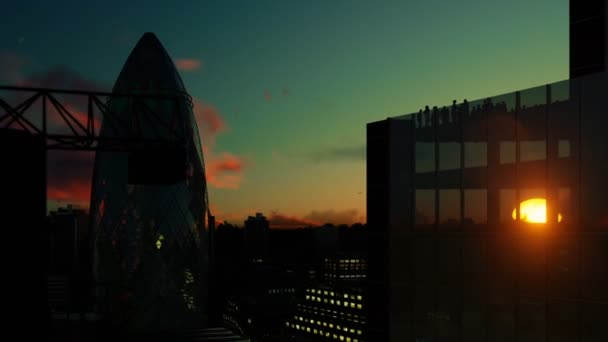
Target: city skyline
<point x="280" y="101"/>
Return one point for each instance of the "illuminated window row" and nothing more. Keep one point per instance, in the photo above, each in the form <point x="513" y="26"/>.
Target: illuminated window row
<point x="336" y="302"/>
<point x="329" y="325"/>
<point x="321" y="311"/>
<point x="331" y="294"/>
<point x="322" y="332"/>
<point x="276" y="291"/>
<point x="344" y="260"/>
<point x="323" y="316"/>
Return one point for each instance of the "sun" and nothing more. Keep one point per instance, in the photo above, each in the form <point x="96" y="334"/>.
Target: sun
<point x="534" y="210"/>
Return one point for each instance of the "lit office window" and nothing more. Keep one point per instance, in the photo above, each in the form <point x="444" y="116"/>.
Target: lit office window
<point x="507" y="152"/>
<point x="425" y="157"/>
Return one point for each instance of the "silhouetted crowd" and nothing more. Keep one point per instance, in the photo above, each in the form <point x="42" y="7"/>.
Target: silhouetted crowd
<point x="458" y="112"/>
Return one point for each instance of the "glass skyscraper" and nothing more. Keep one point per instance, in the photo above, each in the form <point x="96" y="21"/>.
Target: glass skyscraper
<point x="150" y="254"/>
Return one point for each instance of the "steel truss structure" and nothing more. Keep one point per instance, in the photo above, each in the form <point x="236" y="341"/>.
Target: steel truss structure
<point x="83" y="134"/>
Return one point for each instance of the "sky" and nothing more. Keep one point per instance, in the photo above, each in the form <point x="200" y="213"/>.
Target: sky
<point x="284" y="89"/>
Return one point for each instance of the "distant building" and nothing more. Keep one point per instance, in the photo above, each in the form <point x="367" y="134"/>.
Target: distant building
<point x="344" y="269"/>
<point x="68" y="240"/>
<point x="256" y="237"/>
<point x="334" y="310"/>
<point x="148" y="214"/>
<point x="264" y="299"/>
<point x="487" y="219"/>
<point x="69" y="257"/>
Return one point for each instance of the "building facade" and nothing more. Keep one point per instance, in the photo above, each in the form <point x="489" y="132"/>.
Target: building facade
<point x="487" y="221"/>
<point x="486" y="218"/>
<point x="333" y="310"/>
<point x="150" y="241"/>
<point x="256" y="237"/>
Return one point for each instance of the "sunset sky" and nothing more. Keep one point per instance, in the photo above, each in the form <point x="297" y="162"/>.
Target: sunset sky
<point x="283" y="89"/>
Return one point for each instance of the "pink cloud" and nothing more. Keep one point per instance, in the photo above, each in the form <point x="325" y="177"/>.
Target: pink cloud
<point x="187" y="64"/>
<point x="224" y="170"/>
<point x="347" y="216"/>
<point x="69" y="177"/>
<point x="278" y="220"/>
<point x="316" y="218"/>
<point x="208" y="118"/>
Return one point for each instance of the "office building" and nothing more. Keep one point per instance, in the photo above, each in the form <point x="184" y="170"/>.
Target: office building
<point x="486" y="218"/>
<point x="150" y="234"/>
<point x="333" y="310"/>
<point x="256" y="237"/>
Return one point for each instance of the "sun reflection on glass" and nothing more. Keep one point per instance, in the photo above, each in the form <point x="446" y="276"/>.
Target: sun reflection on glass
<point x="534" y="210"/>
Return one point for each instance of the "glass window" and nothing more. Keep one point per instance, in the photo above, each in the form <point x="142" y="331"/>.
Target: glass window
<point x="507" y="205"/>
<point x="507" y="152"/>
<point x="449" y="207"/>
<point x="560" y="91"/>
<point x="564" y="211"/>
<point x="533" y="97"/>
<point x="475" y="206"/>
<point x="533" y="150"/>
<point x="475" y="154"/>
<point x="425" y="157"/>
<point x="425" y="206"/>
<point x="563" y="148"/>
<point x="533" y="206"/>
<point x="449" y="156"/>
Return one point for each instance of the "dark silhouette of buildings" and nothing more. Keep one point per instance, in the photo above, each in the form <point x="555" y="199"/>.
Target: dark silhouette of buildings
<point x="491" y="225"/>
<point x="150" y="234"/>
<point x="23" y="211"/>
<point x="256" y="296"/>
<point x="256" y="237"/>
<point x="70" y="278"/>
<point x="265" y="298"/>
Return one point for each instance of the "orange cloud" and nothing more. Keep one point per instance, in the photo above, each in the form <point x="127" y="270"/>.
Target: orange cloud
<point x="72" y="193"/>
<point x="223" y="170"/>
<point x="210" y="122"/>
<point x="227" y="162"/>
<point x="316" y="218"/>
<point x="187" y="64"/>
<point x="347" y="216"/>
<point x="69" y="177"/>
<point x="278" y="220"/>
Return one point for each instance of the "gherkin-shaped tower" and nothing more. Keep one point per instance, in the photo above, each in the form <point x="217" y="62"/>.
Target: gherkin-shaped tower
<point x="150" y="240"/>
